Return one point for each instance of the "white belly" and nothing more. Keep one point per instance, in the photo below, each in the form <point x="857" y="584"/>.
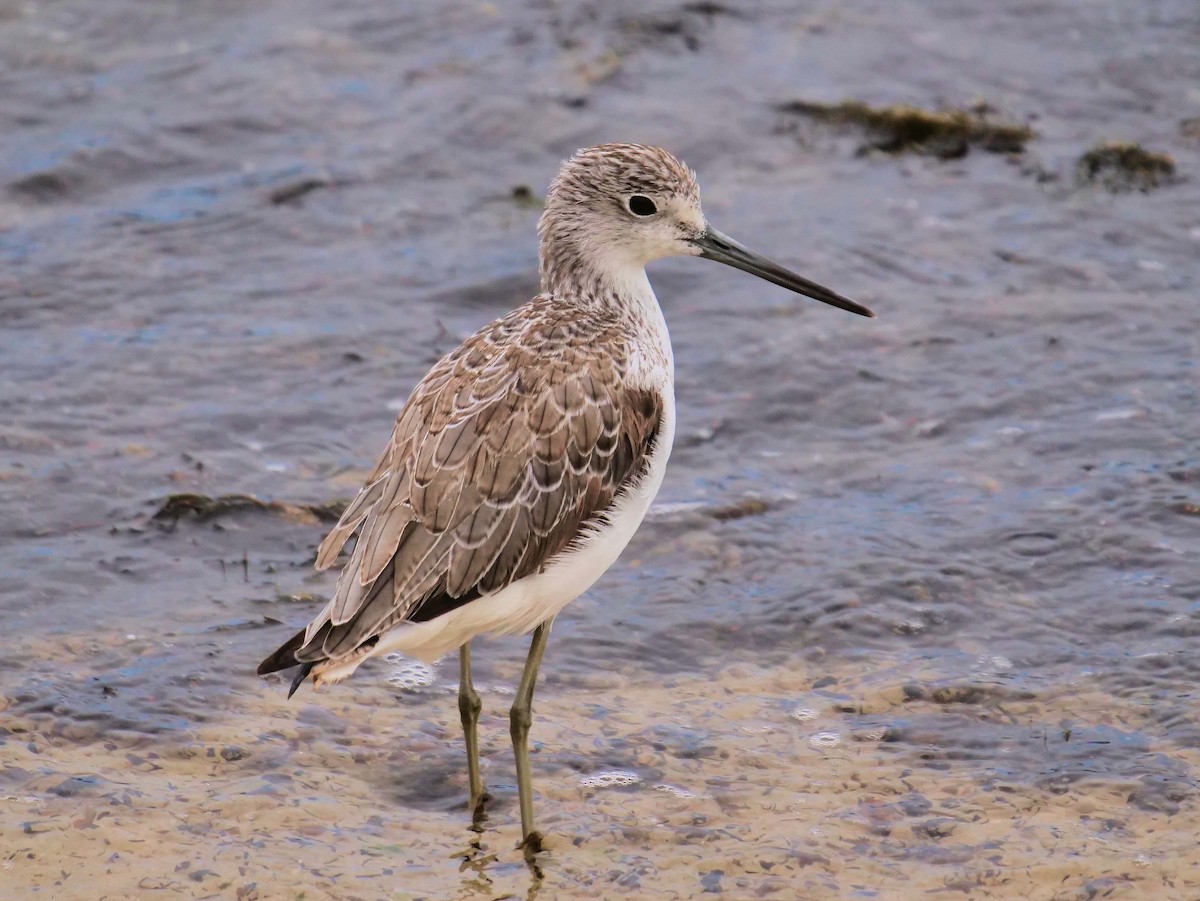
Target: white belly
<point x="526" y="604"/>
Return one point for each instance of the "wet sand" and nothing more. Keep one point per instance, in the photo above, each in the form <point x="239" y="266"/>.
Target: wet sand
<point x="916" y="611"/>
<point x="755" y="783"/>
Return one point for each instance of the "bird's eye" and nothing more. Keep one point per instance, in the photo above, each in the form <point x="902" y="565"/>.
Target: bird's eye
<point x="641" y="205"/>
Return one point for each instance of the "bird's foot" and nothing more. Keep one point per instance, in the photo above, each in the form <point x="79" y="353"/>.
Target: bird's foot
<point x="478" y="807"/>
<point x="532" y="845"/>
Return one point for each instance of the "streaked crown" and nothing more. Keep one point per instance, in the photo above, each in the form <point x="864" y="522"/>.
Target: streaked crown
<point x="617" y="169"/>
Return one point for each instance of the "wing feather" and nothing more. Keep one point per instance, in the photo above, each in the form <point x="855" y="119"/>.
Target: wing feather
<point x="387" y="533"/>
<point x="351" y="518"/>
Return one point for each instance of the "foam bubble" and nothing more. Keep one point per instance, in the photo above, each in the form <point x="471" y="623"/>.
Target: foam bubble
<point x="988" y="664"/>
<point x="610" y="779"/>
<point x="409" y="675"/>
<point x="803" y="714"/>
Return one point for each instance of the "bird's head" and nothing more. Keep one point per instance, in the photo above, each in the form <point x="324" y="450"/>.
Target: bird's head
<point x="617" y="207"/>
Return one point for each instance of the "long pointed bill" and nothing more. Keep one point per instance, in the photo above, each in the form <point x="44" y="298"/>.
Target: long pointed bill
<point x="722" y="248"/>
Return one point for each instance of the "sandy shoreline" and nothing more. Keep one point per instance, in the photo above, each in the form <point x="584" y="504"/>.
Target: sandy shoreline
<point x="751" y="784"/>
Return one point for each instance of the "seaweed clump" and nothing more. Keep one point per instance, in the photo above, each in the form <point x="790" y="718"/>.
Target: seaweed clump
<point x="524" y="196"/>
<point x="203" y="508"/>
<point x="948" y="134"/>
<point x="1124" y="166"/>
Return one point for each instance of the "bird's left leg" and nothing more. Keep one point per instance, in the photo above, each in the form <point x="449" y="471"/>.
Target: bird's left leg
<point x="521" y="720"/>
<point x="469" y="706"/>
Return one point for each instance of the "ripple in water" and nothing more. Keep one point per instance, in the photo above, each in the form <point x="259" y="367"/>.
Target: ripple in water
<point x="825" y="740"/>
<point x="674" y="790"/>
<point x="875" y="733"/>
<point x="500" y="688"/>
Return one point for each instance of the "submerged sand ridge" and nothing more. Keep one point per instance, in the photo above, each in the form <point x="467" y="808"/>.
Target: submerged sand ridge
<point x="753" y="783"/>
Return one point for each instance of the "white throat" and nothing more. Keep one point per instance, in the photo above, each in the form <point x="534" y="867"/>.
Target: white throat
<point x="588" y="272"/>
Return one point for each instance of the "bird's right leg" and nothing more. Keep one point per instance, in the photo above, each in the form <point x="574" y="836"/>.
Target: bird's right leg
<point x="469" y="706"/>
<point x="520" y="721"/>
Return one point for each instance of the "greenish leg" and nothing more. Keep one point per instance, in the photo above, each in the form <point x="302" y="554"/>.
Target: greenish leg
<point x="469" y="706"/>
<point x="521" y="719"/>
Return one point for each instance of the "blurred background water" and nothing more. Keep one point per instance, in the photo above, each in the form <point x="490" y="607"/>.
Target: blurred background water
<point x="960" y="540"/>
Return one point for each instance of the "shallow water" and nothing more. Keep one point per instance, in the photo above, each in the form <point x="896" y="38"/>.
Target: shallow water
<point x="950" y="643"/>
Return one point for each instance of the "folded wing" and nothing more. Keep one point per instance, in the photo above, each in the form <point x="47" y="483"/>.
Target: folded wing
<point x="504" y="454"/>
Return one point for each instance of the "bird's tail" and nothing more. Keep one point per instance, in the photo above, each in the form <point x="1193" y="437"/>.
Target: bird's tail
<point x="285" y="657"/>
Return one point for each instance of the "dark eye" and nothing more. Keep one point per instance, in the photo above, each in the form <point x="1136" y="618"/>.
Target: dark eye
<point x="642" y="206"/>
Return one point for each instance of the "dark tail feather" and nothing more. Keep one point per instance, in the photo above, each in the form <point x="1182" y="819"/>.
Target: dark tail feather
<point x="285" y="657"/>
<point x="300" y="677"/>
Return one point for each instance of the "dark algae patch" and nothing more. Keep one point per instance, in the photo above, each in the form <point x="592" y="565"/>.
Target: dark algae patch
<point x="526" y="197"/>
<point x="1124" y="166"/>
<point x="203" y="508"/>
<point x="947" y="134"/>
<point x="751" y="506"/>
<point x="295" y="191"/>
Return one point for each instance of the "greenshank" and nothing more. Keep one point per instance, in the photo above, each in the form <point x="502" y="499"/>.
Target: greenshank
<point x="524" y="461"/>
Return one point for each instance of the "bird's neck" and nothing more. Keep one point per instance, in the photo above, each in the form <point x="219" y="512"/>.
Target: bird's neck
<point x="607" y="284"/>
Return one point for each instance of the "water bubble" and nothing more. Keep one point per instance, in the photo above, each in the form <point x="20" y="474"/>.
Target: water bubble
<point x="409" y="675"/>
<point x="803" y="714"/>
<point x="824" y="739"/>
<point x="610" y="779"/>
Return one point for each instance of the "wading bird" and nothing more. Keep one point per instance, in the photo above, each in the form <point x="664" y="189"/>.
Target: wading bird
<point x="524" y="461"/>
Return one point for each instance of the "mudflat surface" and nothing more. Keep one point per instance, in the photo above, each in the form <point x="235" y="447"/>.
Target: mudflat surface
<point x="918" y="605"/>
